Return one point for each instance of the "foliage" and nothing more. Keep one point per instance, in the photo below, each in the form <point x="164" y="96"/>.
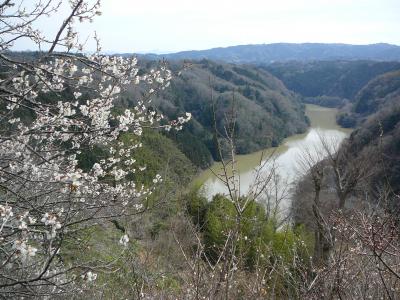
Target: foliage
<point x="372" y="145"/>
<point x="346" y="120"/>
<point x="326" y="101"/>
<point x="266" y="111"/>
<point x="197" y="146"/>
<point x="380" y="134"/>
<point x="377" y="93"/>
<point x="159" y="155"/>
<point x="196" y="206"/>
<point x="259" y="240"/>
<point x="342" y="79"/>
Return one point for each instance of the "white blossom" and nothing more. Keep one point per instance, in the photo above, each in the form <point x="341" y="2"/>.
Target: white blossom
<point x="157" y="178"/>
<point x="71" y="100"/>
<point x="124" y="240"/>
<point x="90" y="276"/>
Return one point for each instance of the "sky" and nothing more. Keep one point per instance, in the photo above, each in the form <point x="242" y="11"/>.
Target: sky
<point x="169" y="26"/>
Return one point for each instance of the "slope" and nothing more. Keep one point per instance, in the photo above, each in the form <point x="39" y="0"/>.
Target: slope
<point x="342" y="79"/>
<point x="266" y="111"/>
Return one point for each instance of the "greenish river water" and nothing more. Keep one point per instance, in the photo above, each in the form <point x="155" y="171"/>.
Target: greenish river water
<point x="323" y="122"/>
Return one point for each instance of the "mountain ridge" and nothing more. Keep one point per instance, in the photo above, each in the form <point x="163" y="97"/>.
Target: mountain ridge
<point x="281" y="52"/>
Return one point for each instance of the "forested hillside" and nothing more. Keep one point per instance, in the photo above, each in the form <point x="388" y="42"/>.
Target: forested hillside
<point x="268" y="53"/>
<point x="349" y="194"/>
<point x="329" y="83"/>
<point x="377" y="111"/>
<point x="379" y="93"/>
<point x="265" y="110"/>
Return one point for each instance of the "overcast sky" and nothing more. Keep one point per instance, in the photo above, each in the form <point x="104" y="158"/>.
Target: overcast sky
<point x="175" y="25"/>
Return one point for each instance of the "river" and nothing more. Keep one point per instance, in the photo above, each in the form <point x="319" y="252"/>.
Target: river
<point x="323" y="122"/>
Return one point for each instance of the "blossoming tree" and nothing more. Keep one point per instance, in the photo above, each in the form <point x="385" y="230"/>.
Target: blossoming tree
<point x="56" y="103"/>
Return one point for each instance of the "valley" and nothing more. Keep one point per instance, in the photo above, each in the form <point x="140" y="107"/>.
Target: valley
<point x="215" y="174"/>
<point x="285" y="157"/>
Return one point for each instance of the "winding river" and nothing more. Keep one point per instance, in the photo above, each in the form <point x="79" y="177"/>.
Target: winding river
<point x="323" y="122"/>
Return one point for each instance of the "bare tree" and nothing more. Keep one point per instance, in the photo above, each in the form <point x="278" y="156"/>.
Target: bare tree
<point x="348" y="170"/>
<point x="358" y="263"/>
<point x="227" y="275"/>
<point x="311" y="163"/>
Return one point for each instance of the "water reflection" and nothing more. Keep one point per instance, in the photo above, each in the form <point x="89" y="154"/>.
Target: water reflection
<point x="286" y="156"/>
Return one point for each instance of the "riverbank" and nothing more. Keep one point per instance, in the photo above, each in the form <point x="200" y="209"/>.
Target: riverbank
<point x="322" y="122"/>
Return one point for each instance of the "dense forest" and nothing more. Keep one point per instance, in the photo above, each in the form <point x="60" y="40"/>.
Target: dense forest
<point x="376" y="111"/>
<point x="265" y="110"/>
<point x="320" y="81"/>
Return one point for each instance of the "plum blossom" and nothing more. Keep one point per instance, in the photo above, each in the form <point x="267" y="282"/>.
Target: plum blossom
<point x="6" y="211"/>
<point x="23" y="250"/>
<point x="157" y="179"/>
<point x="69" y="99"/>
<point x="124" y="240"/>
<point x="97" y="170"/>
<point x="51" y="220"/>
<point x="89" y="276"/>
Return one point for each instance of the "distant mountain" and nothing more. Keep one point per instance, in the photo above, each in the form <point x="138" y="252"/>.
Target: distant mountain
<point x="280" y="52"/>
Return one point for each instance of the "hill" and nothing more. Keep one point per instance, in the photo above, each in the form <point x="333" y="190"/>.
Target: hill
<point x="341" y="79"/>
<point x="382" y="92"/>
<point x="281" y="52"/>
<point x="377" y="111"/>
<point x="379" y="92"/>
<point x="265" y="109"/>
